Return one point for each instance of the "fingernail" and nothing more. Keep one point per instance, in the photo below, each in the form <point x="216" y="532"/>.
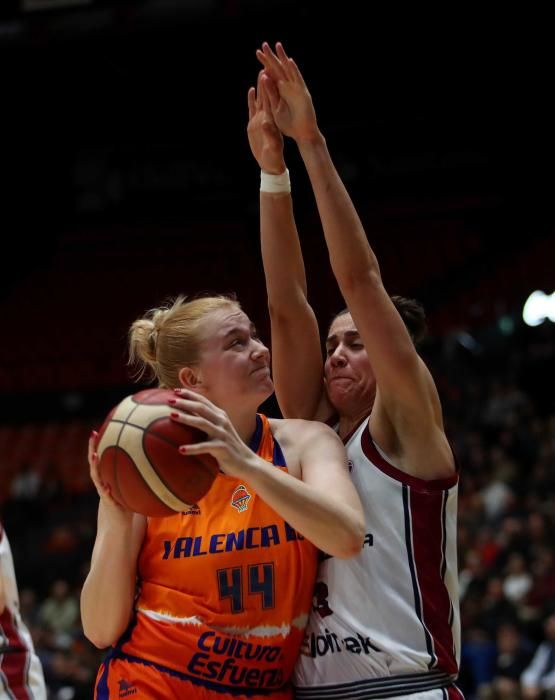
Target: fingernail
<point x="174" y="415"/>
<point x="178" y="390"/>
<point x="94" y="434"/>
<point x="183" y="449"/>
<point x="172" y="401"/>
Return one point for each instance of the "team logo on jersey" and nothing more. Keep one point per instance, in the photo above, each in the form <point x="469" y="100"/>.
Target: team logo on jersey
<point x="240" y="498"/>
<point x="193" y="510"/>
<point x="126" y="688"/>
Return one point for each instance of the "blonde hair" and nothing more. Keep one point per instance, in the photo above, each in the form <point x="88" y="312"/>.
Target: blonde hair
<point x="169" y="337"/>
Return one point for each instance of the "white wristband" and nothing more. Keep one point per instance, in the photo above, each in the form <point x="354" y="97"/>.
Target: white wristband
<point x="275" y="183"/>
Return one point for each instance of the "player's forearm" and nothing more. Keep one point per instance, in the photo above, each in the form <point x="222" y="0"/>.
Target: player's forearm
<point x="108" y="592"/>
<point x="297" y="375"/>
<point x="351" y="257"/>
<point x="333" y="527"/>
<point x="281" y="253"/>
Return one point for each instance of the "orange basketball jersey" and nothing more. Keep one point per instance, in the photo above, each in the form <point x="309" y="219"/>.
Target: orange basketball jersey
<point x="225" y="592"/>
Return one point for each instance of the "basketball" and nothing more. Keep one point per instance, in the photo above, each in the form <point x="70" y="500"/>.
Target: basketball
<point x="138" y="457"/>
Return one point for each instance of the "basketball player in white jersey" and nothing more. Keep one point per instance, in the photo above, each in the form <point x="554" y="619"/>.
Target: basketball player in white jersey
<point x="386" y="622"/>
<point x="20" y="670"/>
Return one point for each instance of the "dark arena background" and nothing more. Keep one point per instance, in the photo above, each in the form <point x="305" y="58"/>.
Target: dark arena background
<point x="127" y="178"/>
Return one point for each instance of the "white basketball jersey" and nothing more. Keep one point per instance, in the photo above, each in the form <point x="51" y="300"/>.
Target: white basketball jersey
<point x="386" y="622"/>
<point x="20" y="670"/>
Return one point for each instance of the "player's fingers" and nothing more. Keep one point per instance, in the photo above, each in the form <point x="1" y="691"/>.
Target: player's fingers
<point x="268" y="51"/>
<point x="266" y="104"/>
<point x="106" y="493"/>
<point x="259" y="89"/>
<point x="263" y="58"/>
<point x="251" y="102"/>
<point x="197" y="422"/>
<point x="285" y="62"/>
<point x="92" y="444"/>
<point x="219" y="414"/>
<point x="193" y="396"/>
<point x="101" y="487"/>
<point x="271" y="62"/>
<point x="270" y="92"/>
<point x="212" y="447"/>
<point x="189" y="406"/>
<point x="280" y="51"/>
<point x="295" y="72"/>
<point x="93" y="464"/>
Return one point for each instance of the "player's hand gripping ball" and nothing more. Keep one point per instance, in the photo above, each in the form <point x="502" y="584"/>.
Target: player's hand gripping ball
<point x="138" y="457"/>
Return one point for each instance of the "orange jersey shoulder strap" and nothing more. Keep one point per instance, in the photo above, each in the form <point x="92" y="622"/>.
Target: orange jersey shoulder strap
<point x="264" y="443"/>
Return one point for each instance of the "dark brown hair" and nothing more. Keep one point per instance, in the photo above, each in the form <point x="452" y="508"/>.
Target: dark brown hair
<point x="413" y="314"/>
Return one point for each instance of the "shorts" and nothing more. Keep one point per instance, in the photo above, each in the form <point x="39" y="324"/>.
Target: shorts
<point x="121" y="679"/>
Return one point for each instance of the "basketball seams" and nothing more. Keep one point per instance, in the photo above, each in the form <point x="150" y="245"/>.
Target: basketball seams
<point x="115" y="475"/>
<point x="151" y="478"/>
<point x="131" y="430"/>
<point x="155" y="478"/>
<point x="116" y="480"/>
<point x="149" y="475"/>
<point x="159" y="435"/>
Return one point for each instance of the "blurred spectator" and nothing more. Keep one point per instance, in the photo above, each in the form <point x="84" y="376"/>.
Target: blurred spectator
<point x="26" y="485"/>
<point x="487" y="539"/>
<point x="513" y="654"/>
<point x="477" y="661"/>
<point x="70" y="674"/>
<point x="540" y="532"/>
<point x="28" y="607"/>
<point x="542" y="593"/>
<point x="472" y="577"/>
<point x="497" y="495"/>
<point x="59" y="613"/>
<point x="496" y="608"/>
<point x="505" y="402"/>
<point x="538" y="679"/>
<point x="518" y="581"/>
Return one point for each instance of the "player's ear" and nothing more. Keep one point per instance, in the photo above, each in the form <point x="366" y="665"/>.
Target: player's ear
<point x="190" y="378"/>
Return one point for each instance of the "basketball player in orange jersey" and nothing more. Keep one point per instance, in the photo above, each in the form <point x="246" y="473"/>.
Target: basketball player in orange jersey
<point x="224" y="589"/>
<point x="385" y="623"/>
<point x="21" y="676"/>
